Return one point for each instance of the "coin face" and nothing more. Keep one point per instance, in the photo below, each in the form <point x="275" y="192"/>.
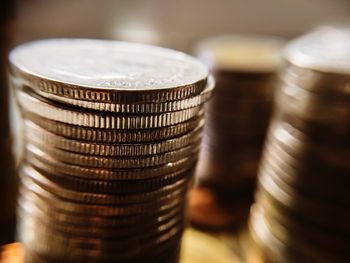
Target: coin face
<point x="102" y="64"/>
<point x="327" y="50"/>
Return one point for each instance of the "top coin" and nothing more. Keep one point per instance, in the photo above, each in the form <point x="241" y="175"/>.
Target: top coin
<point x="103" y="70"/>
<point x="326" y="50"/>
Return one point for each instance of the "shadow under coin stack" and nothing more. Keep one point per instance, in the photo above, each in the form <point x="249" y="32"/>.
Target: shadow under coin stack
<point x="245" y="70"/>
<point x="302" y="209"/>
<point x="112" y="131"/>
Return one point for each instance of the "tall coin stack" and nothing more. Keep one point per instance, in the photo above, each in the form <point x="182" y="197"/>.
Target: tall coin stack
<point x="112" y="131"/>
<point x="302" y="209"/>
<point x="245" y="69"/>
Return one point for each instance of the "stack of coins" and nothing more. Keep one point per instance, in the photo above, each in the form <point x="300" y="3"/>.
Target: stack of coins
<point x="112" y="131"/>
<point x="245" y="69"/>
<point x="302" y="209"/>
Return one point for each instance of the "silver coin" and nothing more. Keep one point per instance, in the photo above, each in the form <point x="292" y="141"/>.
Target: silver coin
<point x="139" y="108"/>
<point x="54" y="243"/>
<point x="111" y="187"/>
<point x="116" y="162"/>
<point x="42" y="197"/>
<point x="306" y="105"/>
<point x="317" y="82"/>
<point x="98" y="120"/>
<point x="116" y="136"/>
<point x="109" y="233"/>
<point x="53" y="111"/>
<point x="34" y="133"/>
<point x="325" y="50"/>
<point x="110" y="71"/>
<point x="269" y="244"/>
<point x="79" y="220"/>
<point x="49" y="164"/>
<point x="30" y="176"/>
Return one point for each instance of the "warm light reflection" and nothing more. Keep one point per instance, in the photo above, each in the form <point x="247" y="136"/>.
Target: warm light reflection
<point x="12" y="253"/>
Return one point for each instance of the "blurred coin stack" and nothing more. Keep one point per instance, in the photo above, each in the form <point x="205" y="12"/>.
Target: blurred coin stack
<point x="245" y="70"/>
<point x="302" y="209"/>
<point x="112" y="131"/>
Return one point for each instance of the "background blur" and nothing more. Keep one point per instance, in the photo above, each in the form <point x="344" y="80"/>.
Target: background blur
<point x="177" y="24"/>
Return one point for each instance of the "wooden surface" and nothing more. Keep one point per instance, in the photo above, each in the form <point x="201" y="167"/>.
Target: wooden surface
<point x="198" y="247"/>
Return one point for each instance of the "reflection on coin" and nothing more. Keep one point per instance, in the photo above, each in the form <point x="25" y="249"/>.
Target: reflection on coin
<point x="36" y="134"/>
<point x="139" y="108"/>
<point x="111" y="187"/>
<point x="116" y="136"/>
<point x="54" y="111"/>
<point x="30" y="176"/>
<point x="114" y="162"/>
<point x="47" y="163"/>
<point x="61" y="217"/>
<point x="110" y="71"/>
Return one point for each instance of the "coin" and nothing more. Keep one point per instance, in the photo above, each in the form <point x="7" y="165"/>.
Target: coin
<point x="109" y="71"/>
<point x="312" y="212"/>
<point x="111" y="187"/>
<point x="307" y="105"/>
<point x="47" y="163"/>
<point x="139" y="108"/>
<point x="43" y="197"/>
<point x="61" y="244"/>
<point x="323" y="190"/>
<point x="116" y="136"/>
<point x="110" y="233"/>
<point x="31" y="176"/>
<point x="34" y="133"/>
<point x="308" y="237"/>
<point x="61" y="217"/>
<point x="298" y="245"/>
<point x="54" y="111"/>
<point x="165" y="253"/>
<point x="323" y="50"/>
<point x="290" y="198"/>
<point x="277" y="251"/>
<point x="115" y="162"/>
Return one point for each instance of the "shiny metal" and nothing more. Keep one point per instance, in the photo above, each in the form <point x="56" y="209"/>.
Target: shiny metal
<point x="302" y="199"/>
<point x="112" y="133"/>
